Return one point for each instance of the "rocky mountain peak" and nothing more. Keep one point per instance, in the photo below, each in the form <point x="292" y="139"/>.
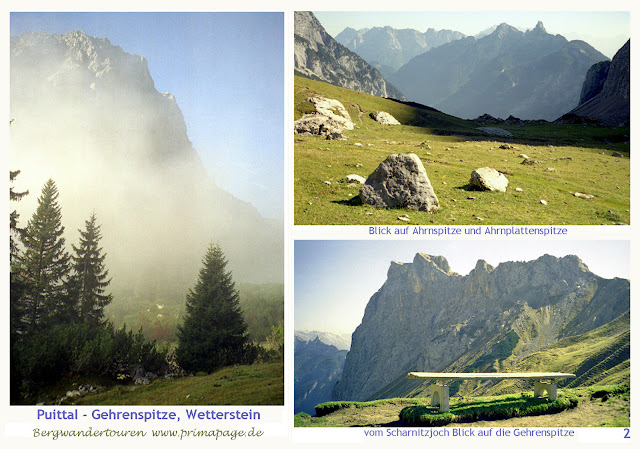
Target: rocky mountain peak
<point x="503" y="30"/>
<point x="426" y="261"/>
<point x="427" y="318"/>
<point x="539" y="27"/>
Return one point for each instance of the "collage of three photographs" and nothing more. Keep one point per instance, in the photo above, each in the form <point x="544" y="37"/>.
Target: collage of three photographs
<point x="379" y="220"/>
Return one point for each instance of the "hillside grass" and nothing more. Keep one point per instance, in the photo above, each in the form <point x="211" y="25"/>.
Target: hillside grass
<point x="597" y="406"/>
<point x="259" y="384"/>
<point x="450" y="148"/>
<point x="598" y="357"/>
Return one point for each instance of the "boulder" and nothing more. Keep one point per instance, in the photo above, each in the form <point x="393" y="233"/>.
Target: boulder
<point x="329" y="118"/>
<point x="319" y="125"/>
<point x="400" y="181"/>
<point x="384" y="118"/>
<point x="487" y="178"/>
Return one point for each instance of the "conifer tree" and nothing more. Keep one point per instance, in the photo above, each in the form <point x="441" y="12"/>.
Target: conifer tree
<point x="17" y="285"/>
<point x="44" y="264"/>
<point x="88" y="280"/>
<point x="13" y="217"/>
<point x="213" y="333"/>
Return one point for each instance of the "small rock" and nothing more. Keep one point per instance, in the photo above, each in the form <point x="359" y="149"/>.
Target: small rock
<point x="551" y="169"/>
<point x="616" y="154"/>
<point x="358" y="144"/>
<point x="585" y="196"/>
<point x="355" y="178"/>
<point x="523" y="156"/>
<point x="358" y="165"/>
<point x="404" y="217"/>
<point x="327" y="183"/>
<point x="543" y="202"/>
<point x="518" y="189"/>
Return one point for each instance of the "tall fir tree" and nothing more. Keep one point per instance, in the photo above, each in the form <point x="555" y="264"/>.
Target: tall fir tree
<point x="213" y="333"/>
<point x="44" y="264"/>
<point x="89" y="278"/>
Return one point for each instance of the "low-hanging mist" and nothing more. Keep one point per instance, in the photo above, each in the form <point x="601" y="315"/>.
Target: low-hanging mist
<point x="86" y="114"/>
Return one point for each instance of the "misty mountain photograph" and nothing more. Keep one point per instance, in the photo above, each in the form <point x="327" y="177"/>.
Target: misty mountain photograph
<point x="482" y="117"/>
<point x="146" y="193"/>
<point x="530" y="334"/>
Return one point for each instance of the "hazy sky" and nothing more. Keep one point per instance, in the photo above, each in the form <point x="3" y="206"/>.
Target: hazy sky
<point x="227" y="75"/>
<point x="605" y="31"/>
<point x="334" y="280"/>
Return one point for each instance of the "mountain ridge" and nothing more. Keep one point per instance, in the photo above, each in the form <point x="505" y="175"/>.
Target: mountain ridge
<point x="426" y="317"/>
<point x="531" y="74"/>
<point x="317" y="55"/>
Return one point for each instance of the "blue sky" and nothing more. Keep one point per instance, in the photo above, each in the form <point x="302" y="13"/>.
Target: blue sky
<point x="333" y="280"/>
<point x="606" y="31"/>
<point x="226" y="72"/>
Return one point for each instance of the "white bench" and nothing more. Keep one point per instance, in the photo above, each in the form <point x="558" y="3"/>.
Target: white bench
<point x="440" y="389"/>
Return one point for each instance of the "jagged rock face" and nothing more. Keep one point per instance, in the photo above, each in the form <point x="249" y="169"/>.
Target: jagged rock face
<point x="594" y="81"/>
<point x="611" y="103"/>
<point x="317" y="55"/>
<point x="532" y="75"/>
<point x="87" y="114"/>
<point x="318" y="367"/>
<point x="392" y="48"/>
<point x="427" y="318"/>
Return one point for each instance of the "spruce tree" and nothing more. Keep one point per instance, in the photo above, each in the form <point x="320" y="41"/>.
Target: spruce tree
<point x="17" y="285"/>
<point x="44" y="264"/>
<point x="13" y="216"/>
<point x="89" y="278"/>
<point x="213" y="333"/>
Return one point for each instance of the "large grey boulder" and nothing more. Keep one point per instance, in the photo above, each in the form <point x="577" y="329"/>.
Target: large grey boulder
<point x="400" y="181"/>
<point x="487" y="178"/>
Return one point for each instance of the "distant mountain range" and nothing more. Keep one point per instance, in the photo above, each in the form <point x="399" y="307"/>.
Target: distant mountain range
<point x="530" y="75"/>
<point x="340" y="341"/>
<point x="317" y="368"/>
<point x="606" y="92"/>
<point x="318" y="56"/>
<point x="427" y="318"/>
<point x="388" y="49"/>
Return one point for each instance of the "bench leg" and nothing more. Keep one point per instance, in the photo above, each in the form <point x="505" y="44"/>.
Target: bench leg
<point x="551" y="388"/>
<point x="440" y="396"/>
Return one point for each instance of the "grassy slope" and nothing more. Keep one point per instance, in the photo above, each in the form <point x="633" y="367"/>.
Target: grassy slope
<point x="598" y="357"/>
<point x="260" y="384"/>
<point x="450" y="148"/>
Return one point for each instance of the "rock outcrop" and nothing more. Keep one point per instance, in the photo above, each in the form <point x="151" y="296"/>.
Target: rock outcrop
<point x="608" y="100"/>
<point x="427" y="318"/>
<point x="400" y="181"/>
<point x="318" y="56"/>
